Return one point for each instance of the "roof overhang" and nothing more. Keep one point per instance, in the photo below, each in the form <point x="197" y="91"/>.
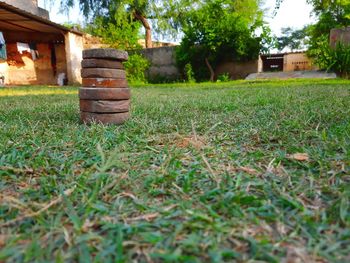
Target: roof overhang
<point x="15" y="19"/>
<point x="282" y="54"/>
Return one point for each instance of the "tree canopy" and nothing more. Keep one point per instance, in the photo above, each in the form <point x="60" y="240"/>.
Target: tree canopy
<point x="218" y="30"/>
<point x="294" y="39"/>
<point x="113" y="14"/>
<point x="118" y="28"/>
<point x="330" y="14"/>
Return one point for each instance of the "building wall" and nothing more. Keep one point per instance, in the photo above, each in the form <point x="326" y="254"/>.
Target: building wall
<point x="340" y="35"/>
<point x="74" y="56"/>
<point x="260" y="65"/>
<point x="30" y="6"/>
<point x="163" y="63"/>
<point x="237" y="70"/>
<point x="93" y="42"/>
<point x="297" y="62"/>
<point x="27" y="5"/>
<point x="20" y="69"/>
<point x="3" y="70"/>
<point x="155" y="44"/>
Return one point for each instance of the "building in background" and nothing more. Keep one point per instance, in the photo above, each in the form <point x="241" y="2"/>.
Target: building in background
<point x="286" y="62"/>
<point x="35" y="50"/>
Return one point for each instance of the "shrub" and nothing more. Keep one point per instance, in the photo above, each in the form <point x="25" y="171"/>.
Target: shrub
<point x="189" y="73"/>
<point x="335" y="59"/>
<point x="135" y="68"/>
<point x="340" y="60"/>
<point x="224" y="77"/>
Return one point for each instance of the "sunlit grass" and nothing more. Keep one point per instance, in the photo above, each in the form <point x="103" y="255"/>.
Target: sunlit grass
<point x="237" y="171"/>
<point x="24" y="91"/>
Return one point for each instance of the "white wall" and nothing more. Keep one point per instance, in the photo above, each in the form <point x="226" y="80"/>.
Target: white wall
<point x="4" y="70"/>
<point x="74" y="55"/>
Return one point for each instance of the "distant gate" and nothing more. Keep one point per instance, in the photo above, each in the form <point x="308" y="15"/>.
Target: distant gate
<point x="272" y="62"/>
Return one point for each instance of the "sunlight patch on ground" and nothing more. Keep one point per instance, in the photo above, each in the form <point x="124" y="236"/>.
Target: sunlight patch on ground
<point x="23" y="92"/>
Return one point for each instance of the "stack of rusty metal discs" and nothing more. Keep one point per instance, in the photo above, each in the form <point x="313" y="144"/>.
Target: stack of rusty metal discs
<point x="105" y="96"/>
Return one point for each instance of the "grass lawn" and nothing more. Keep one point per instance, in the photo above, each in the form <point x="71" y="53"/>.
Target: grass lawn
<point x="238" y="171"/>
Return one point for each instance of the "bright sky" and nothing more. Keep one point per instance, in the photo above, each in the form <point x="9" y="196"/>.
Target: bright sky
<point x="293" y="13"/>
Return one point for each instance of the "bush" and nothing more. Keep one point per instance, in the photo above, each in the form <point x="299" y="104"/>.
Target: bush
<point x="135" y="68"/>
<point x="224" y="77"/>
<point x="189" y="73"/>
<point x="335" y="59"/>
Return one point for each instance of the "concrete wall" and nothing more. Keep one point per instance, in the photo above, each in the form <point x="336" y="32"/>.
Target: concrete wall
<point x="163" y="63"/>
<point x="20" y="69"/>
<point x="340" y="35"/>
<point x="27" y="5"/>
<point x="297" y="62"/>
<point x="74" y="55"/>
<point x="30" y="6"/>
<point x="93" y="42"/>
<point x="237" y="70"/>
<point x="155" y="44"/>
<point x="4" y="70"/>
<point x="260" y="65"/>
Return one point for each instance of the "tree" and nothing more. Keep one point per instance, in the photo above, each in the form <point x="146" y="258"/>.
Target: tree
<point x="117" y="28"/>
<point x="338" y="9"/>
<point x="331" y="14"/>
<point x="139" y="10"/>
<point x="294" y="39"/>
<point x="218" y="30"/>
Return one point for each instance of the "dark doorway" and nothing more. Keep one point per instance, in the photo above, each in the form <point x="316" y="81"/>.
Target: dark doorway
<point x="272" y="62"/>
